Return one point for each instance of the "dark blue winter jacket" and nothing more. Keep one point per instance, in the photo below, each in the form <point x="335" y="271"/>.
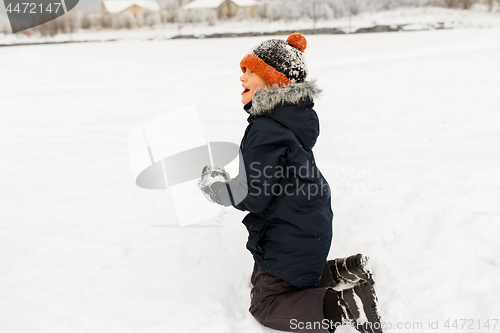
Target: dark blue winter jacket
<point x="290" y="219"/>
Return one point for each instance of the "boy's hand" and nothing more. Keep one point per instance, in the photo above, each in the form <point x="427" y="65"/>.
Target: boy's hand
<point x="211" y="181"/>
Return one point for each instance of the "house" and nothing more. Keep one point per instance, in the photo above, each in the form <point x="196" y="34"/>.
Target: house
<point x="223" y="8"/>
<point x="133" y="6"/>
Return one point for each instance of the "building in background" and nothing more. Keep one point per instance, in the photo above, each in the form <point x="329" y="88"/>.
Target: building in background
<point x="132" y="6"/>
<point x="222" y="9"/>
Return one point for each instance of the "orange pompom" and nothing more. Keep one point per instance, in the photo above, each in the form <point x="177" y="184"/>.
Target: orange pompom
<point x="298" y="41"/>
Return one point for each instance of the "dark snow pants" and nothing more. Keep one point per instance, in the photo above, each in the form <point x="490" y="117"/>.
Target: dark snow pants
<point x="282" y="306"/>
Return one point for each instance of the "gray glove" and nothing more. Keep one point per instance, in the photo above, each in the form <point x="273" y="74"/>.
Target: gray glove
<point x="211" y="181"/>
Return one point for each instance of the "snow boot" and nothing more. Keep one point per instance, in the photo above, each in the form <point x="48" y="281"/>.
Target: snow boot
<point x="359" y="308"/>
<point x="353" y="269"/>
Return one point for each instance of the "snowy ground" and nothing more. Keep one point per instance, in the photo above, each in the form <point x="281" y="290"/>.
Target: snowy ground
<point x="422" y="18"/>
<point x="409" y="142"/>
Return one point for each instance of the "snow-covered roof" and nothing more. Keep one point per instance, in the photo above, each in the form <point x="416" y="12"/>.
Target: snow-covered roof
<point x="118" y="6"/>
<point x="216" y="3"/>
<point x="203" y="4"/>
<point x="245" y="3"/>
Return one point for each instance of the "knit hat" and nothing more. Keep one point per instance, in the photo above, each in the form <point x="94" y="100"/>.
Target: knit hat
<point x="277" y="61"/>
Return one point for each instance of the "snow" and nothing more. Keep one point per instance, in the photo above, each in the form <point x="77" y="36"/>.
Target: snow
<point x="409" y="143"/>
<point x="245" y="3"/>
<point x="196" y="4"/>
<point x="118" y="6"/>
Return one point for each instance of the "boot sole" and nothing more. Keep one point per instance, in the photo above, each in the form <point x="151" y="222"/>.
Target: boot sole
<point x="368" y="297"/>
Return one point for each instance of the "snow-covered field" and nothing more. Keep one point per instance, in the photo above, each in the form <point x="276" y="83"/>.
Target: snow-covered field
<point x="411" y="18"/>
<point x="410" y="144"/>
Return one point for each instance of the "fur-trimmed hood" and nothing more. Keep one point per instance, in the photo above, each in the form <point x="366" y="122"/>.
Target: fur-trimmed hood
<point x="266" y="100"/>
<point x="292" y="107"/>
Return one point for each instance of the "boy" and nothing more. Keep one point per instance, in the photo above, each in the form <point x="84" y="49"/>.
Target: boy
<point x="289" y="202"/>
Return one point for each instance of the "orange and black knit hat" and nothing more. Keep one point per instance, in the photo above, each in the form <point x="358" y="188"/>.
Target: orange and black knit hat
<point x="277" y="61"/>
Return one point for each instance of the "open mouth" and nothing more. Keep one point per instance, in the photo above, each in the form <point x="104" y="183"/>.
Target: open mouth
<point x="245" y="91"/>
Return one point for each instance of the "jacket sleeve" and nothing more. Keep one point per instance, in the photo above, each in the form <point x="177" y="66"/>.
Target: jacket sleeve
<point x="262" y="161"/>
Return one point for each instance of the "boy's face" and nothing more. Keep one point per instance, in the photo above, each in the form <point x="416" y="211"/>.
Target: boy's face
<point x="250" y="81"/>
